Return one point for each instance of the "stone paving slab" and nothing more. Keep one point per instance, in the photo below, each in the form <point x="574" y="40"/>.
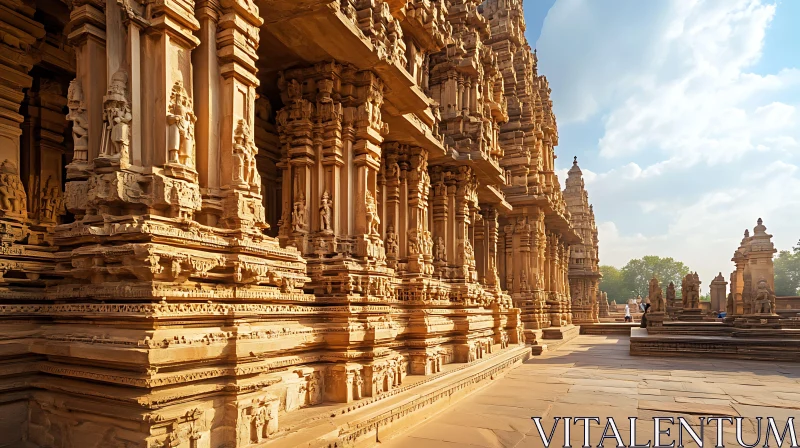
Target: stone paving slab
<point x="595" y="376"/>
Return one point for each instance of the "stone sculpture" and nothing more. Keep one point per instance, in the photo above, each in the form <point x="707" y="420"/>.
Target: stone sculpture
<point x="392" y="244"/>
<point x="51" y="201"/>
<point x="245" y="171"/>
<point x="80" y="123"/>
<point x="13" y="200"/>
<point x="656" y="297"/>
<point x="117" y="118"/>
<point x="441" y="250"/>
<point x="325" y="213"/>
<point x="764" y="299"/>
<point x="373" y="222"/>
<point x="690" y="291"/>
<point x="181" y="119"/>
<point x="299" y="214"/>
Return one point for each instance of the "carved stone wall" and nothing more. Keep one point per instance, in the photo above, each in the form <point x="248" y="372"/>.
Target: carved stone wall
<point x="208" y="224"/>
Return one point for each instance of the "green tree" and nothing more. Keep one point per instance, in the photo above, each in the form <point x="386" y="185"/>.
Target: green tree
<point x="637" y="273"/>
<point x="787" y="272"/>
<point x="612" y="284"/>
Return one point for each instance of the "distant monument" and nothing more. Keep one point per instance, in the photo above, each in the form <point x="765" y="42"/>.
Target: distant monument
<point x="657" y="311"/>
<point x="690" y="298"/>
<point x="718" y="289"/>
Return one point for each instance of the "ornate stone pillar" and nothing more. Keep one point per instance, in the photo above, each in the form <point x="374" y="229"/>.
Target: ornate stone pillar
<point x="492" y="278"/>
<point x="394" y="204"/>
<point x="737" y="280"/>
<point x="237" y="41"/>
<point x="418" y="181"/>
<point x="86" y="92"/>
<point x="41" y="161"/>
<point x="508" y="250"/>
<point x="441" y="216"/>
<point x="207" y="96"/>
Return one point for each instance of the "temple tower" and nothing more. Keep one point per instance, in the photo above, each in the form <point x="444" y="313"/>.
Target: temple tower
<point x="584" y="271"/>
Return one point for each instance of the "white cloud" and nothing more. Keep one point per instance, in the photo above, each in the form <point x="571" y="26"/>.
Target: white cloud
<point x="705" y="233"/>
<point x="700" y="143"/>
<point x="685" y="91"/>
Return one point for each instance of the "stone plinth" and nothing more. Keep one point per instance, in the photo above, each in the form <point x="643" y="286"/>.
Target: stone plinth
<point x="691" y="315"/>
<point x="751" y="346"/>
<point x="656" y="319"/>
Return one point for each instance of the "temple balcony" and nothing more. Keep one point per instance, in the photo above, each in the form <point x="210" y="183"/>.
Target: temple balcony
<point x="425" y="21"/>
<point x="363" y="34"/>
<point x="493" y="195"/>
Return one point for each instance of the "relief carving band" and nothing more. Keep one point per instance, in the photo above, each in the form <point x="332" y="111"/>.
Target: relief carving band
<point x="13" y="200"/>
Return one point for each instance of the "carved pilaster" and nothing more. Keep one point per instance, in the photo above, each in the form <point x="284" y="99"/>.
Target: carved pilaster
<point x="237" y="40"/>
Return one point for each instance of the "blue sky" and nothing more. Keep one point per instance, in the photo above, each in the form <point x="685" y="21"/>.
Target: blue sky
<point x="685" y="117"/>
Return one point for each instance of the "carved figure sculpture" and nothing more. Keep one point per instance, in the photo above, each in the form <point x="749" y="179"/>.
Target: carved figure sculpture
<point x="51" y="202"/>
<point x="245" y="170"/>
<point x="181" y="120"/>
<point x="80" y="122"/>
<point x="441" y="250"/>
<point x="690" y="291"/>
<point x="392" y="244"/>
<point x="259" y="422"/>
<point x="299" y="214"/>
<point x="13" y="200"/>
<point x="325" y="213"/>
<point x="656" y="297"/>
<point x="413" y="242"/>
<point x="747" y="295"/>
<point x="764" y="299"/>
<point x="671" y="294"/>
<point x="117" y="117"/>
<point x="373" y="222"/>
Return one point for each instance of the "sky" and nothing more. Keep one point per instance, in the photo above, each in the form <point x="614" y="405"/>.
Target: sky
<point x="684" y="117"/>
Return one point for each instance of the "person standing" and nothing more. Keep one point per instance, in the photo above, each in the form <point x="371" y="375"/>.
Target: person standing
<point x="644" y="316"/>
<point x="628" y="317"/>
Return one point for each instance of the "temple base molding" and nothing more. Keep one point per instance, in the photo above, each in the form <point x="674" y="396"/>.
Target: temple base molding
<point x="381" y="418"/>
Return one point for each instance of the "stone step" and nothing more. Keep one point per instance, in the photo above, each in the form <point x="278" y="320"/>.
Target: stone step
<point x="616" y="328"/>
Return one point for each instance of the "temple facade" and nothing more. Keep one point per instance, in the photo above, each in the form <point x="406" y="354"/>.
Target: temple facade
<point x="215" y="213"/>
<point x="584" y="260"/>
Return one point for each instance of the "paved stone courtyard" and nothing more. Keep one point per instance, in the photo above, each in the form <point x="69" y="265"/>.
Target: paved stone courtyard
<point x="595" y="376"/>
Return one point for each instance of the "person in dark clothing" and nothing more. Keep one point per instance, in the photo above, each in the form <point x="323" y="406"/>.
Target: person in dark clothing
<point x="644" y="316"/>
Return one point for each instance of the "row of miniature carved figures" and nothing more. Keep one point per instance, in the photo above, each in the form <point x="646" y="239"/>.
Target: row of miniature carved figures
<point x="14" y="199"/>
